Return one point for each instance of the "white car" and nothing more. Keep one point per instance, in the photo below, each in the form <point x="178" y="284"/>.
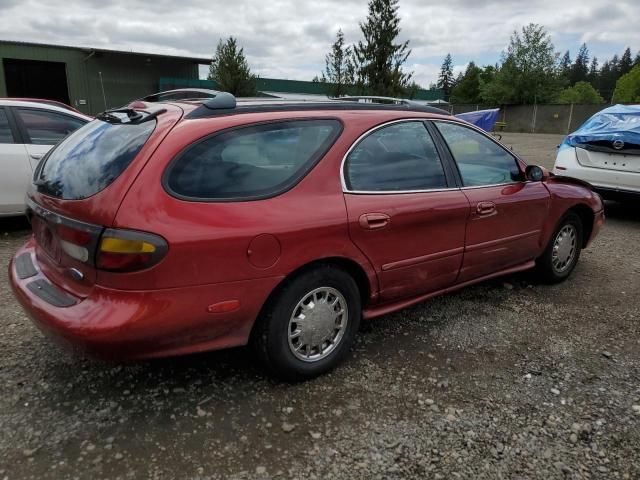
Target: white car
<point x="28" y="129"/>
<point x="605" y="152"/>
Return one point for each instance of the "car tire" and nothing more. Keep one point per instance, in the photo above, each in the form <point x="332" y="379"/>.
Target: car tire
<point x="308" y="305"/>
<point x="563" y="250"/>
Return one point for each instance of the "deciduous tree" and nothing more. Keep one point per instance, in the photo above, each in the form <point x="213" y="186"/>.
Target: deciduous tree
<point x="528" y="72"/>
<point x="628" y="87"/>
<point x="582" y="93"/>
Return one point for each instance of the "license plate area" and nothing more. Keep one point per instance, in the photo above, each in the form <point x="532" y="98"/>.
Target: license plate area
<point x="46" y="238"/>
<point x="609" y="161"/>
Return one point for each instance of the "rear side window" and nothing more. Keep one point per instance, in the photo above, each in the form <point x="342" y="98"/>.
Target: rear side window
<point x="91" y="158"/>
<point x="251" y="162"/>
<point x="47" y="128"/>
<point x="395" y="158"/>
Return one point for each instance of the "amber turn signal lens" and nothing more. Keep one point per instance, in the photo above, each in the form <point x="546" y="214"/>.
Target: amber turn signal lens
<point x="129" y="251"/>
<point x="120" y="245"/>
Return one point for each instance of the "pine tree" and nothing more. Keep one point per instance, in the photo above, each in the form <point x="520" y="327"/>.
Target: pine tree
<point x="636" y="61"/>
<point x="339" y="68"/>
<point x="609" y="75"/>
<point x="593" y="72"/>
<point x="626" y="62"/>
<point x="230" y="70"/>
<point x="379" y="58"/>
<point x="467" y="89"/>
<point x="565" y="66"/>
<point x="580" y="68"/>
<point x="445" y="79"/>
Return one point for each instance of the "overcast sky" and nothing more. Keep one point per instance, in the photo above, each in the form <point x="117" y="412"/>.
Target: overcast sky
<point x="288" y="38"/>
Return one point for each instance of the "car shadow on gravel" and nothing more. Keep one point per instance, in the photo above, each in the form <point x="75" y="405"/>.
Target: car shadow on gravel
<point x="14" y="224"/>
<point x="624" y="211"/>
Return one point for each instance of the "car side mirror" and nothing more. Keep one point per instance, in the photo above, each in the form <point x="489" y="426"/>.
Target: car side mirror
<point x="535" y="173"/>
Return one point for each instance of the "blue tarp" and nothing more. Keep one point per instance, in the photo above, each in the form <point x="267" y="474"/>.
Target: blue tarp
<point x="485" y="119"/>
<point x="619" y="122"/>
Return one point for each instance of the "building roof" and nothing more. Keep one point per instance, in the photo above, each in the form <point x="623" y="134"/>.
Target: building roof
<point x="89" y="50"/>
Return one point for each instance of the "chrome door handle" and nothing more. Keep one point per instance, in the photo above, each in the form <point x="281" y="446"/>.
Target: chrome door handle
<point x="485" y="208"/>
<point x="36" y="156"/>
<point x="373" y="221"/>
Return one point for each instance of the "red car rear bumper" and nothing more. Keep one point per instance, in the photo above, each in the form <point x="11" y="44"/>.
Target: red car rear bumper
<point x="126" y="325"/>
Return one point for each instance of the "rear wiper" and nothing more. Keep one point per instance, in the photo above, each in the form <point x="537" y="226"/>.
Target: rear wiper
<point x="134" y="116"/>
<point x="151" y="116"/>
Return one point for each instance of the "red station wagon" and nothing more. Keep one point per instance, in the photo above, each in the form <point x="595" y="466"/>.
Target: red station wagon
<point x="176" y="227"/>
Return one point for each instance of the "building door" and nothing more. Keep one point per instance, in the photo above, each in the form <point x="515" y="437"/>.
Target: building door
<point x="36" y="79"/>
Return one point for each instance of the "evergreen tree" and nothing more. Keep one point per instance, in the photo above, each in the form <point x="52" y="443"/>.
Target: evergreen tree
<point x="467" y="89"/>
<point x="565" y="66"/>
<point x="580" y="68"/>
<point x="609" y="74"/>
<point x="626" y="62"/>
<point x="230" y="70"/>
<point x="445" y="79"/>
<point x="593" y="72"/>
<point x="412" y="90"/>
<point x="636" y="61"/>
<point x="379" y="58"/>
<point x="339" y="68"/>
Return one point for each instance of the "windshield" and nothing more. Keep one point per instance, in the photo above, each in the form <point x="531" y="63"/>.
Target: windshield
<point x="91" y="158"/>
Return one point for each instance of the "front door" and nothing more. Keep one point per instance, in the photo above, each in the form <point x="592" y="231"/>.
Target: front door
<point x="506" y="213"/>
<point x="405" y="212"/>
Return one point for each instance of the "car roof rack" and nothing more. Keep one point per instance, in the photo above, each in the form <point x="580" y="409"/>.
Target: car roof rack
<point x="377" y="99"/>
<point x="215" y="107"/>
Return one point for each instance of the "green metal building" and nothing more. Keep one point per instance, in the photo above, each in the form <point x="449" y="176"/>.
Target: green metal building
<point x="90" y="79"/>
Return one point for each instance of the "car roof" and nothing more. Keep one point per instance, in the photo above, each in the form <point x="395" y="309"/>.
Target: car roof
<point x="34" y="103"/>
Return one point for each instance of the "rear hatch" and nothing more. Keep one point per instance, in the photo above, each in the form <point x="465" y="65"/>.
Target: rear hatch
<point x="78" y="188"/>
<point x="608" y="155"/>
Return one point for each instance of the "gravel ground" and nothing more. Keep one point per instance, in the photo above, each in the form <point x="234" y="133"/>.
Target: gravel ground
<point x="508" y="379"/>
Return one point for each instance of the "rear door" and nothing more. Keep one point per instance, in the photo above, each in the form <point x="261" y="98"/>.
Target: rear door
<point x="405" y="212"/>
<point x="506" y="213"/>
<point x="15" y="171"/>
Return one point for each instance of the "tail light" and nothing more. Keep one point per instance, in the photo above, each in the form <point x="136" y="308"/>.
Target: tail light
<point x="128" y="250"/>
<point x="76" y="243"/>
<point x="113" y="249"/>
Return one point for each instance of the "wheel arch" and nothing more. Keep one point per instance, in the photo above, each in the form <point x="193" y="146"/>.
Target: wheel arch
<point x="586" y="217"/>
<point x="353" y="268"/>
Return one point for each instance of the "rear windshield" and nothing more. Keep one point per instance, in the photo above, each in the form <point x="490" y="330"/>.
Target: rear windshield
<point x="252" y="162"/>
<point x="91" y="158"/>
